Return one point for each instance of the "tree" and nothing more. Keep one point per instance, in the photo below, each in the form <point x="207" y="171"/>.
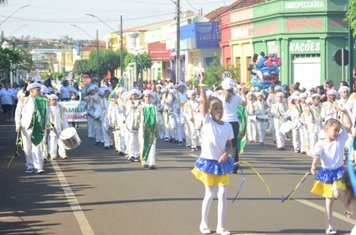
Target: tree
<point x="143" y="60"/>
<point x="109" y="60"/>
<point x="351" y="15"/>
<point x="10" y="58"/>
<point x="214" y="71"/>
<point x="82" y="66"/>
<point x="3" y="2"/>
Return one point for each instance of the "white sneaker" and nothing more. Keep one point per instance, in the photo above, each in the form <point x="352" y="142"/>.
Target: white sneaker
<point x="40" y="171"/>
<point x="223" y="232"/>
<point x="204" y="230"/>
<point x="330" y="230"/>
<point x="29" y="171"/>
<point x="64" y="157"/>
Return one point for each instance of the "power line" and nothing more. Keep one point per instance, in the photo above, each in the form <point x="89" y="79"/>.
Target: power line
<point x="191" y="5"/>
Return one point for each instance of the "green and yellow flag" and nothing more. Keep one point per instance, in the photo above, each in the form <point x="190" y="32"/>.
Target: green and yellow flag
<point x="39" y="120"/>
<point x="149" y="130"/>
<point x="241" y="140"/>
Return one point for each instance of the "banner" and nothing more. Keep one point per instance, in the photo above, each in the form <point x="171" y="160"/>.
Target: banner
<point x="75" y="110"/>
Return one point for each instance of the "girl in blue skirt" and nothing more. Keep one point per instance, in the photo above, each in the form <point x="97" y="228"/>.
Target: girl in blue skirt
<point x="214" y="164"/>
<point x="330" y="152"/>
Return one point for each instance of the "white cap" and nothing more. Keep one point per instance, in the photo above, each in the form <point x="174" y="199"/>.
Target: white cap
<point x="259" y="94"/>
<point x="169" y="85"/>
<point x="309" y="101"/>
<point x="182" y="84"/>
<point x="250" y="93"/>
<point x="135" y="91"/>
<point x="164" y="90"/>
<point x="278" y="88"/>
<point x="159" y="85"/>
<point x="279" y="94"/>
<point x="344" y="88"/>
<point x="228" y="84"/>
<point x="303" y="96"/>
<point x="294" y="97"/>
<point x="148" y="92"/>
<point x="53" y="97"/>
<point x="173" y="91"/>
<point x="33" y="85"/>
<point x="315" y="96"/>
<point x="332" y="92"/>
<point x="91" y="88"/>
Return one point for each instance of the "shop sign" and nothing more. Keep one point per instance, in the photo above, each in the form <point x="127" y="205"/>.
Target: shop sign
<point x="266" y="29"/>
<point x="306" y="4"/>
<point x="158" y="52"/>
<point x="300" y="25"/>
<point x="305" y="47"/>
<point x="241" y="31"/>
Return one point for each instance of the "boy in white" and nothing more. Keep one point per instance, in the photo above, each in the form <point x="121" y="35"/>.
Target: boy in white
<point x="260" y="107"/>
<point x="104" y="118"/>
<point x="170" y="108"/>
<point x="312" y="121"/>
<point x="296" y="112"/>
<point x="58" y="122"/>
<point x="191" y="111"/>
<point x="117" y="118"/>
<point x="133" y="114"/>
<point x="279" y="110"/>
<point x="251" y="118"/>
<point x="182" y="99"/>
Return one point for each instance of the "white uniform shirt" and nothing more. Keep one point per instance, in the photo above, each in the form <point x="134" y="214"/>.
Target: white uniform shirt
<point x="214" y="138"/>
<point x="331" y="154"/>
<point x="6" y="96"/>
<point x="230" y="114"/>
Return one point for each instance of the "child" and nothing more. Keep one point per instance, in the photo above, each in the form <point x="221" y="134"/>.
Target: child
<point x="148" y="131"/>
<point x="279" y="110"/>
<point x="58" y="121"/>
<point x="214" y="166"/>
<point x="192" y="117"/>
<point x="251" y="118"/>
<point x="330" y="151"/>
<point x="261" y="109"/>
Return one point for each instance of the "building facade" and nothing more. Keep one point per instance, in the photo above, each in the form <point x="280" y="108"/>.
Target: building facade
<point x="304" y="34"/>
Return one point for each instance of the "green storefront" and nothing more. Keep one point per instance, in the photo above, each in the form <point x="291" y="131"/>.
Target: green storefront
<point x="305" y="34"/>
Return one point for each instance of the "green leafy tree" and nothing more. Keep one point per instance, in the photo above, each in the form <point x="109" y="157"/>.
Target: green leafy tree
<point x="9" y="59"/>
<point x="351" y="15"/>
<point x="82" y="66"/>
<point x="109" y="60"/>
<point x="214" y="71"/>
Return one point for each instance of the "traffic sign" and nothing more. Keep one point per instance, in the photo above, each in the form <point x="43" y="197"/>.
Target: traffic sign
<point x="338" y="57"/>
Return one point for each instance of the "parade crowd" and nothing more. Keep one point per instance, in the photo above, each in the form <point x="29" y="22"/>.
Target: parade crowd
<point x="131" y="121"/>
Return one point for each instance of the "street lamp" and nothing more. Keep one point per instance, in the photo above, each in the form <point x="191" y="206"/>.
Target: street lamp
<point x="13" y="13"/>
<point x="113" y="30"/>
<point x="22" y="26"/>
<point x="97" y="46"/>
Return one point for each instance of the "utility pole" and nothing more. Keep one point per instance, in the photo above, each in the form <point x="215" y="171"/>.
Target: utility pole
<point x="178" y="43"/>
<point x="121" y="48"/>
<point x="97" y="54"/>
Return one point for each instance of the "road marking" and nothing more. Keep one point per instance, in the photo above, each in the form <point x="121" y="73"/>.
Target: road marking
<point x="320" y="208"/>
<point x="73" y="202"/>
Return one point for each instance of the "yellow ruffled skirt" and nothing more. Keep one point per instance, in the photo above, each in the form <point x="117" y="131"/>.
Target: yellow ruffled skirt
<point x="210" y="179"/>
<point x="327" y="190"/>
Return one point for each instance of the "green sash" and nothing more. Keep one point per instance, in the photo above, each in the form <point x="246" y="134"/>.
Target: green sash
<point x="241" y="140"/>
<point x="39" y="120"/>
<point x="149" y="130"/>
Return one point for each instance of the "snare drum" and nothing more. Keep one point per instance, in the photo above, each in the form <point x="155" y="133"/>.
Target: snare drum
<point x="286" y="127"/>
<point x="262" y="118"/>
<point x="70" y="138"/>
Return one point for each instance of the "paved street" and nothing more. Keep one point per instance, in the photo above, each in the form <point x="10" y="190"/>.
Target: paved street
<point x="97" y="192"/>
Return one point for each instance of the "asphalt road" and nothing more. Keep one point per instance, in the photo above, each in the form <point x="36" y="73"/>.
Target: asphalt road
<point x="97" y="192"/>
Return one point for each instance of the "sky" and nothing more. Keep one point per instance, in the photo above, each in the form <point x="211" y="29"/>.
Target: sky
<point x="53" y="19"/>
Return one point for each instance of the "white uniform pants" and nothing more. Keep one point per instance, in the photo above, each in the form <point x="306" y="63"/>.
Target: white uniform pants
<point x="251" y="130"/>
<point x="280" y="137"/>
<point x="120" y="140"/>
<point x="33" y="153"/>
<point x="151" y="160"/>
<point x="91" y="131"/>
<point x="180" y="123"/>
<point x="298" y="139"/>
<point x="170" y="126"/>
<point x="133" y="146"/>
<point x="54" y="144"/>
<point x="192" y="139"/>
<point x="97" y="130"/>
<point x="261" y="128"/>
<point x="160" y="125"/>
<point x="107" y="137"/>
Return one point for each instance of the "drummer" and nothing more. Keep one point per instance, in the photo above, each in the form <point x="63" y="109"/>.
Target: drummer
<point x="58" y="121"/>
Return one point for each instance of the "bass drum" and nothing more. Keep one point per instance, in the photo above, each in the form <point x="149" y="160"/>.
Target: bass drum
<point x="286" y="127"/>
<point x="70" y="138"/>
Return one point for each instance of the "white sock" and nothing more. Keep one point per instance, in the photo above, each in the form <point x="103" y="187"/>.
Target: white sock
<point x="208" y="198"/>
<point x="222" y="194"/>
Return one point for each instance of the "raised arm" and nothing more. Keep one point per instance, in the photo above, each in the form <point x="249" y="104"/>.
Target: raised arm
<point x="204" y="99"/>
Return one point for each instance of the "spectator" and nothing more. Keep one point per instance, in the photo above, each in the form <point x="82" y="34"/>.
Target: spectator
<point x="7" y="101"/>
<point x="65" y="91"/>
